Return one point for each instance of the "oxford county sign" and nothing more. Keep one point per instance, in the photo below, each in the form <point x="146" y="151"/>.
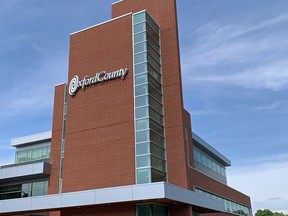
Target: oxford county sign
<point x="76" y="83"/>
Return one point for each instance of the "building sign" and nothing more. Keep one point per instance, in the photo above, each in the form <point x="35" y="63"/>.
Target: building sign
<point x="76" y="83"/>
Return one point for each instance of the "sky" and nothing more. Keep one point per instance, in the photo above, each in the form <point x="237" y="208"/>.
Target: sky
<point x="234" y="60"/>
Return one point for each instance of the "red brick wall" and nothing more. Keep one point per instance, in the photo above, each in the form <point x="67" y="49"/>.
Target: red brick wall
<point x="56" y="139"/>
<point x="99" y="146"/>
<point x="164" y="13"/>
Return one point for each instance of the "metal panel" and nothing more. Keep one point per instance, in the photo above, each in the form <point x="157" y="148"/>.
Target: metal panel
<point x="16" y="205"/>
<point x="31" y="139"/>
<point x="46" y="202"/>
<point x="78" y="198"/>
<point x="24" y="171"/>
<point x="148" y="191"/>
<point x="112" y="195"/>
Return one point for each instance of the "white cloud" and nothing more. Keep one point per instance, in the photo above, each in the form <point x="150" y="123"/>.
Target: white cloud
<point x="35" y="92"/>
<point x="264" y="181"/>
<point x="273" y="76"/>
<point x="227" y="55"/>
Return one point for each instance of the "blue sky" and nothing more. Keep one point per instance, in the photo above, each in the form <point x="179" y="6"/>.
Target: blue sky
<point x="234" y="70"/>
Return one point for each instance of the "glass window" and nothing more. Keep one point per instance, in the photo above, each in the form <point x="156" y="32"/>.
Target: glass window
<point x="158" y="163"/>
<point x="160" y="210"/>
<point x="152" y="33"/>
<point x="21" y="156"/>
<point x="141" y="89"/>
<point x="143" y="176"/>
<point x="142" y="124"/>
<point x="139" y="79"/>
<point x="154" y="83"/>
<point x="154" y="63"/>
<point x="157" y="127"/>
<point x="143" y="161"/>
<point x="153" y="53"/>
<point x="153" y="25"/>
<point x="36" y="153"/>
<point x="141" y="101"/>
<point x="156" y="95"/>
<point x="144" y="210"/>
<point x="156" y="105"/>
<point x="158" y="176"/>
<point x="156" y="150"/>
<point x="156" y="116"/>
<point x="140" y="68"/>
<point x="156" y="75"/>
<point x="139" y="17"/>
<point x="157" y="138"/>
<point x="140" y="37"/>
<point x="142" y="148"/>
<point x="141" y="57"/>
<point x="141" y="47"/>
<point x="140" y="27"/>
<point x="152" y="42"/>
<point x="142" y="136"/>
<point x="142" y="112"/>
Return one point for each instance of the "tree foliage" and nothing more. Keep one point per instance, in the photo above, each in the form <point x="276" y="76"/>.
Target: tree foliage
<point x="267" y="212"/>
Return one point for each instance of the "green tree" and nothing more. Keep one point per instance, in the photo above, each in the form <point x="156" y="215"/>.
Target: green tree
<point x="265" y="212"/>
<point x="278" y="214"/>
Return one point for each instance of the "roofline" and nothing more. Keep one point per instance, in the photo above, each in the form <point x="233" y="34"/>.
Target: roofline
<point x="119" y="17"/>
<point x="34" y="138"/>
<point x="211" y="150"/>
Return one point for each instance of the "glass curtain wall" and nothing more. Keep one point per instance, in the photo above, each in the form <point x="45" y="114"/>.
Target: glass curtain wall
<point x="149" y="123"/>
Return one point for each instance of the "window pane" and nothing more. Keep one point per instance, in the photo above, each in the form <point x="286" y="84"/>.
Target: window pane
<point x="140" y="68"/>
<point x="153" y="53"/>
<point x="143" y="148"/>
<point x="156" y="116"/>
<point x="140" y="27"/>
<point x="156" y="95"/>
<point x="141" y="47"/>
<point x="155" y="74"/>
<point x="154" y="63"/>
<point x="156" y="127"/>
<point x="152" y="43"/>
<point x="156" y="105"/>
<point x="141" y="57"/>
<point x="141" y="112"/>
<point x="155" y="83"/>
<point x="152" y="23"/>
<point x="158" y="163"/>
<point x="152" y="33"/>
<point x="141" y="89"/>
<point x="143" y="176"/>
<point x="141" y="101"/>
<point x="36" y="153"/>
<point x="156" y="139"/>
<point x="143" y="161"/>
<point x="144" y="210"/>
<point x="140" y="37"/>
<point x="142" y="124"/>
<point x="139" y="79"/>
<point x="139" y="17"/>
<point x="156" y="150"/>
<point x="142" y="136"/>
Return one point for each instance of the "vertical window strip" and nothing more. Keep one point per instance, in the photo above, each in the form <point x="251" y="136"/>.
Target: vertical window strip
<point x="63" y="141"/>
<point x="144" y="167"/>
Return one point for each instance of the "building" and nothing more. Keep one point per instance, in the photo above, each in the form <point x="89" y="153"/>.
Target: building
<point x="121" y="141"/>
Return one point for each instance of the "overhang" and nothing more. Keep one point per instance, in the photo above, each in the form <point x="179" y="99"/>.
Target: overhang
<point x="21" y="172"/>
<point x="131" y="193"/>
<point x="40" y="137"/>
<point x="202" y="144"/>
